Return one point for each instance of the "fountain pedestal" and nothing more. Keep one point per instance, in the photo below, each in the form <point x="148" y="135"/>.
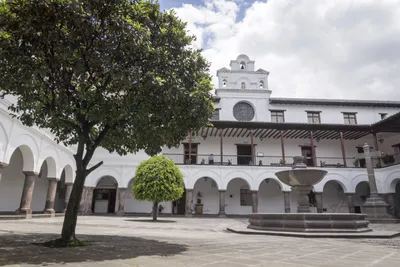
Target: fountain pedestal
<point x="302" y="181"/>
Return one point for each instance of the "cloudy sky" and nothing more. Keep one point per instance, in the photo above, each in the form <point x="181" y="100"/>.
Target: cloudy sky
<point x="312" y="48"/>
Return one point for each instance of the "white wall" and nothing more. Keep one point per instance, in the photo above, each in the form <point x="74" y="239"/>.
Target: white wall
<point x="11" y="184"/>
<point x="334" y="199"/>
<point x="210" y="193"/>
<point x="270" y="197"/>
<point x="233" y="203"/>
<point x="40" y="191"/>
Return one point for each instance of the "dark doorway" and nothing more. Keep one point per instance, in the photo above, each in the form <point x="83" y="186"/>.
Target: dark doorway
<point x="306" y="152"/>
<point x="104" y="197"/>
<point x="397" y="201"/>
<point x="243" y="154"/>
<point x="193" y="153"/>
<point x="362" y="162"/>
<point x="179" y="205"/>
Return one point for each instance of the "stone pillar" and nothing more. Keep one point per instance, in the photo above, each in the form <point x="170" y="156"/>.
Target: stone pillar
<point x="350" y="201"/>
<point x="302" y="198"/>
<point x="2" y="166"/>
<point x="121" y="198"/>
<point x="375" y="207"/>
<point x="85" y="207"/>
<point x="189" y="202"/>
<point x="51" y="196"/>
<point x="27" y="192"/>
<point x="254" y="194"/>
<point x="286" y="200"/>
<point x="320" y="205"/>
<point x="222" y="203"/>
<point x="68" y="190"/>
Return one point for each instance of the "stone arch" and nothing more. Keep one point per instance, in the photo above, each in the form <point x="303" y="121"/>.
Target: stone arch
<point x="240" y="175"/>
<point x="338" y="178"/>
<point x="270" y="196"/>
<point x="107" y="181"/>
<point x="362" y="192"/>
<point x="391" y="181"/>
<point x="51" y="168"/>
<point x="204" y="173"/>
<point x="270" y="175"/>
<point x="4" y="141"/>
<point x="208" y="188"/>
<point x="51" y="155"/>
<point x="29" y="150"/>
<point x="238" y="196"/>
<point x="93" y="178"/>
<point x="358" y="179"/>
<point x="334" y="198"/>
<point x="69" y="174"/>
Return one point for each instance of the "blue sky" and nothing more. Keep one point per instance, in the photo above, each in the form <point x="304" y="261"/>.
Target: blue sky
<point x="312" y="48"/>
<point x="168" y="4"/>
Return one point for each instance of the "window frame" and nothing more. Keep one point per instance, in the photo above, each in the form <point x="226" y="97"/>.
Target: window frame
<point x="246" y="197"/>
<point x="313" y="115"/>
<point x="277" y="114"/>
<point x="347" y="117"/>
<point x="217" y="110"/>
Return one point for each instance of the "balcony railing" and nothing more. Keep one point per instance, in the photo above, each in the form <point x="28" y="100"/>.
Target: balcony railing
<point x="246" y="160"/>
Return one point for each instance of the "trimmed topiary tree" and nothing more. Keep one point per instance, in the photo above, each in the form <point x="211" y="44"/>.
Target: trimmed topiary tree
<point x="158" y="179"/>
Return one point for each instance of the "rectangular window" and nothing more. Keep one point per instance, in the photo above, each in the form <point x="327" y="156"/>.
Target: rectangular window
<point x="383" y="115"/>
<point x="313" y="117"/>
<point x="246" y="198"/>
<point x="277" y="116"/>
<point x="215" y="116"/>
<point x="350" y="118"/>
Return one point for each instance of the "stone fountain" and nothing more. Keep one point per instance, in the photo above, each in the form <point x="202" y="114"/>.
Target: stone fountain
<point x="302" y="181"/>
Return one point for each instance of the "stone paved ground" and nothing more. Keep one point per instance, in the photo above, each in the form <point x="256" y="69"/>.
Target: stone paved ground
<point x="176" y="242"/>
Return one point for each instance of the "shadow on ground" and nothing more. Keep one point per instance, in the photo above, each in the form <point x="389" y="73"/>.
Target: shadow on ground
<point x="18" y="249"/>
<point x="151" y="221"/>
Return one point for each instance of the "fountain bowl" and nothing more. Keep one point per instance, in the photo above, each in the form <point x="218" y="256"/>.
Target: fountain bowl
<point x="301" y="177"/>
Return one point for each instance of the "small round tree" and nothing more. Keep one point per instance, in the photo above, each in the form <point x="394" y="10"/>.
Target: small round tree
<point x="157" y="179"/>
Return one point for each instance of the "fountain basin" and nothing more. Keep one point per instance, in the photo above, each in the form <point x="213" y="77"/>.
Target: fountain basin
<point x="310" y="222"/>
<point x="301" y="177"/>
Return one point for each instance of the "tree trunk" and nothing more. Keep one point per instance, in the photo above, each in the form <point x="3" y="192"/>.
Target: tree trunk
<point x="71" y="214"/>
<point x="155" y="210"/>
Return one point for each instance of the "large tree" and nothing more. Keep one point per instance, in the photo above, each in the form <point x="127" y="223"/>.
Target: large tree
<point x="118" y="74"/>
<point x="157" y="179"/>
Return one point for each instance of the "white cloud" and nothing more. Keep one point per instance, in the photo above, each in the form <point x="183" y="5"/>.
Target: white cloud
<point x="321" y="49"/>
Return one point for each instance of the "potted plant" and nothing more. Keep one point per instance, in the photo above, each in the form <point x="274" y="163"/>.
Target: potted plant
<point x="198" y="207"/>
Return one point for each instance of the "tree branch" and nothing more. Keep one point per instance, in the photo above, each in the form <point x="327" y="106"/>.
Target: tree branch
<point x="94" y="167"/>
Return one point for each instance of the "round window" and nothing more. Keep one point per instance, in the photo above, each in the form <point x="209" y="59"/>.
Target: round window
<point x="243" y="111"/>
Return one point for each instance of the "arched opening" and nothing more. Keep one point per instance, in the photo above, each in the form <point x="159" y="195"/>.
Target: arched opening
<point x="205" y="191"/>
<point x="60" y="194"/>
<point x="105" y="195"/>
<point x="134" y="206"/>
<point x="396" y="200"/>
<point x="242" y="65"/>
<point x="238" y="197"/>
<point x="243" y="85"/>
<point x="261" y="84"/>
<point x="224" y="83"/>
<point x="12" y="183"/>
<point x="361" y="195"/>
<point x="270" y="197"/>
<point x="40" y="190"/>
<point x="334" y="199"/>
<point x="178" y="206"/>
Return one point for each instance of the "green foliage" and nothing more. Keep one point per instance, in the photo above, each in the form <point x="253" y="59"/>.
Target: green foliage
<point x="158" y="179"/>
<point x="115" y="73"/>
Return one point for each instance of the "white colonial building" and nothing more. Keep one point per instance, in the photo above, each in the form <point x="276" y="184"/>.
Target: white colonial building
<point x="230" y="167"/>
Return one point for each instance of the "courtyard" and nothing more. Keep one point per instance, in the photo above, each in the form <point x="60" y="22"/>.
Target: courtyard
<point x="179" y="241"/>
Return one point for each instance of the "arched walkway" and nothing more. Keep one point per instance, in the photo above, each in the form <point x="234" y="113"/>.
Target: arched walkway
<point x="270" y="197"/>
<point x="12" y="183"/>
<point x="178" y="206"/>
<point x="134" y="206"/>
<point x="334" y="199"/>
<point x="105" y="195"/>
<point x="397" y="199"/>
<point x="205" y="190"/>
<point x="238" y="197"/>
<point x="40" y="190"/>
<point x="362" y="193"/>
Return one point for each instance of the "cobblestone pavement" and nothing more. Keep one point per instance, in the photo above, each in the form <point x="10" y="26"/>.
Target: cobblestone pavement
<point x="176" y="242"/>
